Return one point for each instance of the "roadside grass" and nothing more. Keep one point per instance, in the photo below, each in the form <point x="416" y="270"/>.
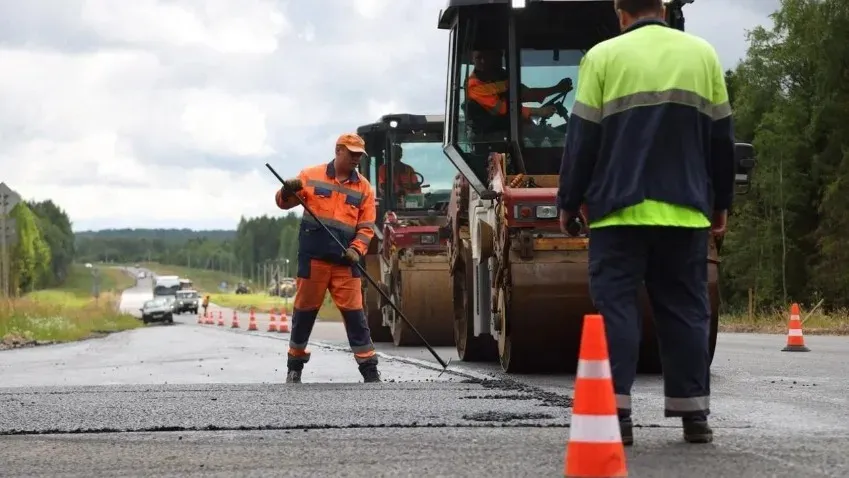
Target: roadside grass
<point x="67" y="313"/>
<point x="775" y="322"/>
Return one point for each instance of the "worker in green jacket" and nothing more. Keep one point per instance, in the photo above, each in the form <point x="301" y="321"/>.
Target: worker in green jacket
<point x="650" y="152"/>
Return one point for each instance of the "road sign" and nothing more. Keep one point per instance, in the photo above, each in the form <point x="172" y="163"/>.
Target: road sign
<point x="11" y="231"/>
<point x="8" y="199"/>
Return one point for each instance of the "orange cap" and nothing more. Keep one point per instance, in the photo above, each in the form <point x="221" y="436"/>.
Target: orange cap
<point x="353" y="142"/>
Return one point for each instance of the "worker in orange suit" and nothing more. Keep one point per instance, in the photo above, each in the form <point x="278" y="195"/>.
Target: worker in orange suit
<point x="486" y="87"/>
<point x="406" y="180"/>
<point x="343" y="200"/>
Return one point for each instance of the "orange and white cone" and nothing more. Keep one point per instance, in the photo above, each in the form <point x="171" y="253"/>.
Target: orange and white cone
<point x="210" y="320"/>
<point x="220" y="319"/>
<point x="235" y="323"/>
<point x="283" y="328"/>
<point x="795" y="339"/>
<point x="595" y="445"/>
<point x="201" y="318"/>
<point x="272" y="324"/>
<point x="252" y="321"/>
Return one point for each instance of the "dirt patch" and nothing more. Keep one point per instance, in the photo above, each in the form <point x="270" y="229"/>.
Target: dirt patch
<point x="499" y="397"/>
<point x="548" y="399"/>
<point x="505" y="416"/>
<point x="16" y="341"/>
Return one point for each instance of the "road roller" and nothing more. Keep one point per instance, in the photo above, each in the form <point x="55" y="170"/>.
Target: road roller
<point x="409" y="255"/>
<point x="520" y="287"/>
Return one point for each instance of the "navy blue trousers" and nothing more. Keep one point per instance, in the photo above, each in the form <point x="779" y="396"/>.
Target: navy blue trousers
<point x="672" y="263"/>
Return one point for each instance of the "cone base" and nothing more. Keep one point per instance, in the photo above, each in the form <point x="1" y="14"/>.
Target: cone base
<point x="795" y="348"/>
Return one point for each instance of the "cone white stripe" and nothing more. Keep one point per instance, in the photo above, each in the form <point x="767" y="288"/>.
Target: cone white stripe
<point x="794" y="317"/>
<point x="595" y="429"/>
<point x="593" y="369"/>
<point x="794" y="332"/>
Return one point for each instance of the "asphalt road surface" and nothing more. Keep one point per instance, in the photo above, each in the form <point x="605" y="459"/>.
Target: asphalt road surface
<point x="201" y="400"/>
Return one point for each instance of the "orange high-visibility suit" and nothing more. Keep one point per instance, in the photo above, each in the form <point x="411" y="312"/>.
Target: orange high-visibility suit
<point x="347" y="208"/>
<point x="405" y="178"/>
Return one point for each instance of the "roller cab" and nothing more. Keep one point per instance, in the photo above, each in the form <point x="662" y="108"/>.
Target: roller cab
<point x="520" y="287"/>
<point x="409" y="255"/>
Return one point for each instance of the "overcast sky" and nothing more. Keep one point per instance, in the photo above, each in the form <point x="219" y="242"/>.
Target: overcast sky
<point x="162" y="113"/>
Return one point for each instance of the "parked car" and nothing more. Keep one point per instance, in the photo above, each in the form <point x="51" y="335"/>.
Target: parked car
<point x="159" y="309"/>
<point x="186" y="301"/>
<point x="242" y="289"/>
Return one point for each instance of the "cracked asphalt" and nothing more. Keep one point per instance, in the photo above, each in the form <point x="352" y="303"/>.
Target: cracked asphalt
<point x="199" y="400"/>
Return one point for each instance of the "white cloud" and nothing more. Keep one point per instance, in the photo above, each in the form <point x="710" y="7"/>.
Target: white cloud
<point x="243" y="27"/>
<point x="163" y="112"/>
<point x="219" y="123"/>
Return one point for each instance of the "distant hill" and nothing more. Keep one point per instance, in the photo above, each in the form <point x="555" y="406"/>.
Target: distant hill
<point x="161" y="234"/>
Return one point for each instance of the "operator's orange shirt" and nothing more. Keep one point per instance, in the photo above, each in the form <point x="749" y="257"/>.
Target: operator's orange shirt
<point x="405" y="177"/>
<point x="346" y="207"/>
<point x="491" y="94"/>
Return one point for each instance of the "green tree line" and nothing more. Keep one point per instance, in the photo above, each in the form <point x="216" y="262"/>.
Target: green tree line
<point x="789" y="237"/>
<point x="255" y="243"/>
<point x="44" y="249"/>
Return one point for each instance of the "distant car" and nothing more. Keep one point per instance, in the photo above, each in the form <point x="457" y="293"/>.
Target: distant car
<point x="160" y="309"/>
<point x="242" y="289"/>
<point x="140" y="275"/>
<point x="186" y="301"/>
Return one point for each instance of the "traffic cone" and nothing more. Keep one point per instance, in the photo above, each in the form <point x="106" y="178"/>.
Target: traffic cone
<point x="235" y="324"/>
<point x="209" y="318"/>
<point x="795" y="339"/>
<point x="252" y="321"/>
<point x="220" y="318"/>
<point x="284" y="323"/>
<point x="595" y="445"/>
<point x="201" y="318"/>
<point x="272" y="325"/>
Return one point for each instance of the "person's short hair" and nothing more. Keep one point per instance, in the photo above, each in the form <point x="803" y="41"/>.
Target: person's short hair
<point x="637" y="7"/>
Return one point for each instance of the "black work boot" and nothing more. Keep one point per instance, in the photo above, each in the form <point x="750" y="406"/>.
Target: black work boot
<point x="626" y="429"/>
<point x="370" y="373"/>
<point x="697" y="430"/>
<point x="293" y="376"/>
<point x="296" y="367"/>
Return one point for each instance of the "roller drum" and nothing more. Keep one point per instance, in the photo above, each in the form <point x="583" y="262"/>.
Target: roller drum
<point x="546" y="305"/>
<point x="425" y="296"/>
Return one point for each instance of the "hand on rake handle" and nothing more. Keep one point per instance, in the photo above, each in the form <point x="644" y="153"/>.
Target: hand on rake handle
<point x="352" y="256"/>
<point x="291" y="186"/>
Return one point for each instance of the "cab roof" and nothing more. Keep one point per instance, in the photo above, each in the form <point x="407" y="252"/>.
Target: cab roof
<point x="406" y="121"/>
<point x="449" y="13"/>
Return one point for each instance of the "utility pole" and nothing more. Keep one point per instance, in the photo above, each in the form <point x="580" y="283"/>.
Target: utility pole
<point x="8" y="236"/>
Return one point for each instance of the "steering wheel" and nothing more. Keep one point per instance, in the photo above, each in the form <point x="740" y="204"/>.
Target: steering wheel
<point x="557" y="101"/>
<point x="418" y="184"/>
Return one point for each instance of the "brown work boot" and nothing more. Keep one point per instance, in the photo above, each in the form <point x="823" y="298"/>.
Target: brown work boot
<point x="626" y="429"/>
<point x="697" y="430"/>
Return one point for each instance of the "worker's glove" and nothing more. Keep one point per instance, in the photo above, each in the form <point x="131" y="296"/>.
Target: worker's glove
<point x="291" y="186"/>
<point x="352" y="256"/>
